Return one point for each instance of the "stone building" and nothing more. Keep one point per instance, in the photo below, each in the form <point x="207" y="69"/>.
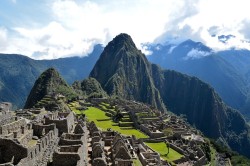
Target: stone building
<point x="70" y="155"/>
<point x="122" y="151"/>
<point x="35" y="141"/>
<point x="5" y="113"/>
<point x="22" y="145"/>
<point x="64" y="121"/>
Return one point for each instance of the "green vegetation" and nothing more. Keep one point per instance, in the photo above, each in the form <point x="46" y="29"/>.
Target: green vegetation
<point x="213" y="155"/>
<point x="32" y="143"/>
<point x="162" y="149"/>
<point x="90" y="88"/>
<point x="73" y="106"/>
<point x="240" y="160"/>
<point x="136" y="162"/>
<point x="168" y="131"/>
<point x="105" y="104"/>
<point x="96" y="115"/>
<point x="116" y="82"/>
<point x="235" y="158"/>
<point x="48" y="83"/>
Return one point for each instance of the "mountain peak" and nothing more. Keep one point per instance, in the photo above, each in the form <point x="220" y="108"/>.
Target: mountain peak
<point x="51" y="71"/>
<point x="48" y="82"/>
<point x="124" y="71"/>
<point x="122" y="41"/>
<point x="123" y="37"/>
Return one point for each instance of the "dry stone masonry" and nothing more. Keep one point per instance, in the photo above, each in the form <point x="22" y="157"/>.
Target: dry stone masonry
<point x="57" y="137"/>
<point x="38" y="137"/>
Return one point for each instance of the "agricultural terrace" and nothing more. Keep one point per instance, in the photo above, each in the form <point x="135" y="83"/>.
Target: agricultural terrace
<point x="105" y="122"/>
<point x="162" y="149"/>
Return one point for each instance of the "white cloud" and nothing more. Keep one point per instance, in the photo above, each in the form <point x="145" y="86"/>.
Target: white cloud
<point x="214" y="17"/>
<point x="245" y="28"/>
<point x="73" y="27"/>
<point x="78" y="25"/>
<point x="171" y="49"/>
<point x="146" y="50"/>
<point x="3" y="38"/>
<point x="196" y="54"/>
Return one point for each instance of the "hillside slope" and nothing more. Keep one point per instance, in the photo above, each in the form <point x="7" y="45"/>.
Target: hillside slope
<point x="195" y="59"/>
<point x="18" y="73"/>
<point x="122" y="70"/>
<point x="49" y="82"/>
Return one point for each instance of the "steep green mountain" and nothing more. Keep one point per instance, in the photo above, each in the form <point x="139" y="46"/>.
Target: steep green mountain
<point x="48" y="83"/>
<point x="89" y="87"/>
<point x="18" y="73"/>
<point x="17" y="76"/>
<point x="124" y="71"/>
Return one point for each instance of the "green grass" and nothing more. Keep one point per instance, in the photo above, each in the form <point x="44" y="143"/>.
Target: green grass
<point x="213" y="156"/>
<point x="136" y="162"/>
<point x="161" y="148"/>
<point x="106" y="104"/>
<point x="32" y="143"/>
<point x="93" y="114"/>
<point x="73" y="106"/>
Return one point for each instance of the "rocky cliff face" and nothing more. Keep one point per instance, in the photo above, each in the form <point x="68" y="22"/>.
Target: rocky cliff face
<point x="203" y="108"/>
<point x="124" y="71"/>
<point x="49" y="82"/>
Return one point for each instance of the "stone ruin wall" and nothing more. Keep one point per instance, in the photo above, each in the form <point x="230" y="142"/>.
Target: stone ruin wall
<point x="68" y="155"/>
<point x="64" y="125"/>
<point x="18" y="130"/>
<point x="36" y="152"/>
<point x="72" y="139"/>
<point x="9" y="148"/>
<point x="12" y="127"/>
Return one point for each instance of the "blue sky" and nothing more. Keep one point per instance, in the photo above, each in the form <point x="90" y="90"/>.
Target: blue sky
<point x="48" y="29"/>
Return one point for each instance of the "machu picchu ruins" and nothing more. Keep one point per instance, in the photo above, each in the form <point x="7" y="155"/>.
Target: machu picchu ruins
<point x="57" y="132"/>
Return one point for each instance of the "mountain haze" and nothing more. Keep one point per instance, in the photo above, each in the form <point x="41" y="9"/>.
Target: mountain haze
<point x="222" y="70"/>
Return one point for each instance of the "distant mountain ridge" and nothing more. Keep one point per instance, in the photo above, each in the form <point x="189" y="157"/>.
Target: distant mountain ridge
<point x="122" y="66"/>
<point x="226" y="71"/>
<point x="18" y="73"/>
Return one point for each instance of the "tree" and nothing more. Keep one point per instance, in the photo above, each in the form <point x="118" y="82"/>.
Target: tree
<point x="168" y="131"/>
<point x="167" y="144"/>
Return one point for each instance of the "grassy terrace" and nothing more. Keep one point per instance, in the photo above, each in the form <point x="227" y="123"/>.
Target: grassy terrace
<point x="95" y="114"/>
<point x="104" y="122"/>
<point x="161" y="148"/>
<point x="136" y="162"/>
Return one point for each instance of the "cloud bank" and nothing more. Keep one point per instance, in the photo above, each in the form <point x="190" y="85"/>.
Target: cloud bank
<point x="60" y="28"/>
